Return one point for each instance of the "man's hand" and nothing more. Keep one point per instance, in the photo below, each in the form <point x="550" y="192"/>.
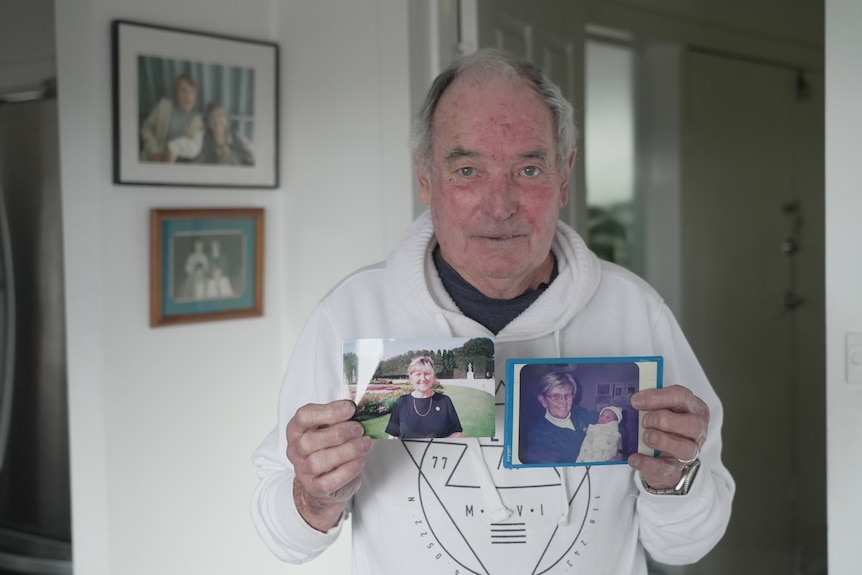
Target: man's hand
<point x="676" y="426"/>
<point x="327" y="451"/>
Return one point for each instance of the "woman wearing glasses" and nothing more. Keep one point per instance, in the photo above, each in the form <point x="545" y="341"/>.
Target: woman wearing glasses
<point x="557" y="437"/>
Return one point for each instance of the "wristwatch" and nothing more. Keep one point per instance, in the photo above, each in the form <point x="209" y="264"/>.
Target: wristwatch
<point x="682" y="487"/>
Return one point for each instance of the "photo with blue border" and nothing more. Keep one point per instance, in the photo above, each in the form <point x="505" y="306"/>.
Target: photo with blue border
<point x="576" y="411"/>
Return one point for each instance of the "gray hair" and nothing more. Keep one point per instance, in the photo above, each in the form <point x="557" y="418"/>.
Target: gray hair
<point x="557" y="379"/>
<point x="488" y="63"/>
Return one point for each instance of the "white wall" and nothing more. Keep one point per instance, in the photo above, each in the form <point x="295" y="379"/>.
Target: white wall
<point x="843" y="280"/>
<point x="163" y="421"/>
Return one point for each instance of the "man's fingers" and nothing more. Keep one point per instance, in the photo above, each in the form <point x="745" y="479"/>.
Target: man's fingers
<point x="674" y="398"/>
<point x="329" y="460"/>
<point x="658" y="472"/>
<point x="339" y="484"/>
<point x="302" y="445"/>
<point x="676" y="425"/>
<point x="678" y="447"/>
<point x="313" y="416"/>
<point x="677" y="421"/>
<point x="326" y="449"/>
<point x="323" y="461"/>
<point x="686" y="426"/>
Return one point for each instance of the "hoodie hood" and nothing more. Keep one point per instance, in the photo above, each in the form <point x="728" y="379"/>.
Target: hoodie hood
<point x="420" y="288"/>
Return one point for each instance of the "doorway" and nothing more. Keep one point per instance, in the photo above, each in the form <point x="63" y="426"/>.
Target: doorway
<point x="753" y="298"/>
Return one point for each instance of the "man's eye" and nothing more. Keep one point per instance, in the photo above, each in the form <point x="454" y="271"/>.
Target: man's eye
<point x="530" y="171"/>
<point x="467" y="172"/>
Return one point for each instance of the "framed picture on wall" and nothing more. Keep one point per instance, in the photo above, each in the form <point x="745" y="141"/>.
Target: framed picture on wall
<point x="193" y="109"/>
<point x="205" y="264"/>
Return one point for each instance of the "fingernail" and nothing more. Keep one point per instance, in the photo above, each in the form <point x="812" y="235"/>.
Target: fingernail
<point x="349" y="409"/>
<point x="636" y="401"/>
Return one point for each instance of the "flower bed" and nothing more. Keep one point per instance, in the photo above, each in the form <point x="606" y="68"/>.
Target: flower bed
<point x="377" y="403"/>
<point x="379" y="398"/>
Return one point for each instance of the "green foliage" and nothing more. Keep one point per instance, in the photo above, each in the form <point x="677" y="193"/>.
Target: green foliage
<point x="448" y="363"/>
<point x="477" y="347"/>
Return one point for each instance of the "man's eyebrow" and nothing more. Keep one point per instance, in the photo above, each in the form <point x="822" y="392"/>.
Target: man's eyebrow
<point x="536" y="155"/>
<point x="458" y="153"/>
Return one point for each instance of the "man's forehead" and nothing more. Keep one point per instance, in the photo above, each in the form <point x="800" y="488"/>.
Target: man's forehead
<point x="475" y="88"/>
<point x="475" y="115"/>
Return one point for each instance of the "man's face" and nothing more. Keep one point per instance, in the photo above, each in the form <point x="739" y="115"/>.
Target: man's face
<point x="494" y="189"/>
<point x="558" y="401"/>
<point x="186" y="96"/>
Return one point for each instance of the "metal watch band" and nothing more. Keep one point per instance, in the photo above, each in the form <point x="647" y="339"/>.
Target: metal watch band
<point x="683" y="486"/>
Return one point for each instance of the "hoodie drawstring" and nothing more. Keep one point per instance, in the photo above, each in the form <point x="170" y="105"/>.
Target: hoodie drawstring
<point x="564" y="494"/>
<point x="497" y="509"/>
<point x="442" y="324"/>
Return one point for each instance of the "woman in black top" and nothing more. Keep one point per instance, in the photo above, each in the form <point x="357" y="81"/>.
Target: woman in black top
<point x="423" y="413"/>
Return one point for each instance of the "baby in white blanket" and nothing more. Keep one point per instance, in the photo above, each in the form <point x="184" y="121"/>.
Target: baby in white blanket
<point x="603" y="440"/>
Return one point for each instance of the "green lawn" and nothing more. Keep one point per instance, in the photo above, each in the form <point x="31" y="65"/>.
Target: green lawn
<point x="475" y="410"/>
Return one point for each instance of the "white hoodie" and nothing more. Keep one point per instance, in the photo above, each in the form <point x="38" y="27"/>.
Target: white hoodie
<point x="447" y="506"/>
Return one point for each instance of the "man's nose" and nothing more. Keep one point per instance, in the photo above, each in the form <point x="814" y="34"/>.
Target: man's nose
<point x="501" y="199"/>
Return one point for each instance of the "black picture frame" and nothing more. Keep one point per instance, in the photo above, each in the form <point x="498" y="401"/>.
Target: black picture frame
<point x="229" y="136"/>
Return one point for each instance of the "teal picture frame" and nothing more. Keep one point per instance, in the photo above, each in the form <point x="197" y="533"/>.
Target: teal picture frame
<point x="205" y="264"/>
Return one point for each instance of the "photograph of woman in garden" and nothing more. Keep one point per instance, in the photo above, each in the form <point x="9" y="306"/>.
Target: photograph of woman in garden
<point x="423" y="413"/>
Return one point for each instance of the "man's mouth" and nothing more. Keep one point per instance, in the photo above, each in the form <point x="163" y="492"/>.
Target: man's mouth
<point x="501" y="237"/>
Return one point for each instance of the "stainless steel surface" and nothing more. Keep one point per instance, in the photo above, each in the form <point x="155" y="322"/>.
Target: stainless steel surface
<point x="7" y="329"/>
<point x="35" y="510"/>
<point x="32" y="554"/>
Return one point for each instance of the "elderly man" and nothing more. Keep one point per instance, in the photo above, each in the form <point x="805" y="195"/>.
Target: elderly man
<point x="494" y="145"/>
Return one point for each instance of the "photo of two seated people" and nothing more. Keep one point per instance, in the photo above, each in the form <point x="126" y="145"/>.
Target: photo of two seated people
<point x="197" y="113"/>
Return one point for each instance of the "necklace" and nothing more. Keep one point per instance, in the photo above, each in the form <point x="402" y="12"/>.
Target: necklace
<point x="427" y="411"/>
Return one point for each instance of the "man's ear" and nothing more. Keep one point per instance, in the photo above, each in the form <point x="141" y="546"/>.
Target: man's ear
<point x="564" y="185"/>
<point x="424" y="183"/>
